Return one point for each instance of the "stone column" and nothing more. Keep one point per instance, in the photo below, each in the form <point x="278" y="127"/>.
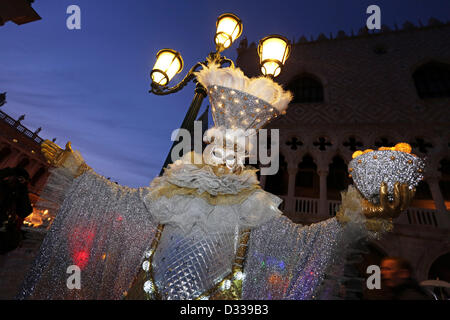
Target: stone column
<point x="290" y="202"/>
<point x="323" y="209"/>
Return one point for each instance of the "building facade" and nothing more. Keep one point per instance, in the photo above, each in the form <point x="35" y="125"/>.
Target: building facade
<point x="21" y="147"/>
<point x="355" y="92"/>
<point x="17" y="11"/>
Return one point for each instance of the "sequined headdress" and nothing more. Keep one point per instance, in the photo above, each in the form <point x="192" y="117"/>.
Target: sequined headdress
<point x="239" y="102"/>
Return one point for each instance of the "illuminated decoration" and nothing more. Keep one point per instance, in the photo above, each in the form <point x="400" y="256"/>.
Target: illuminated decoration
<point x="80" y="242"/>
<point x="239" y="275"/>
<point x="392" y="165"/>
<point x="228" y="29"/>
<point x="148" y="253"/>
<point x="168" y="64"/>
<point x="81" y="258"/>
<point x="273" y="52"/>
<point x="148" y="287"/>
<point x="39" y="219"/>
<point x="401" y="146"/>
<point x="226" y="285"/>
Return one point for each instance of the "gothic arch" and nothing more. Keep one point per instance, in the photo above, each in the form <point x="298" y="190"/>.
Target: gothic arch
<point x="306" y="88"/>
<point x="337" y="179"/>
<point x="432" y="80"/>
<point x="440" y="268"/>
<point x="428" y="257"/>
<point x="307" y="182"/>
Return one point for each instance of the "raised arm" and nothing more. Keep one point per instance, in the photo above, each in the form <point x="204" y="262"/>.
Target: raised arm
<point x="291" y="261"/>
<point x="64" y="158"/>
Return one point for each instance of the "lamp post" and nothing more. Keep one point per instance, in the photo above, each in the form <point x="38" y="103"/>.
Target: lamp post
<point x="273" y="54"/>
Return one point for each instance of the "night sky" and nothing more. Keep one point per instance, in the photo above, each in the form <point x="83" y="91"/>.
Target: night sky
<point x="90" y="86"/>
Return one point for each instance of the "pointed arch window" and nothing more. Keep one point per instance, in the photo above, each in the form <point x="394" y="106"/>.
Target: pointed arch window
<point x="306" y="89"/>
<point x="432" y="80"/>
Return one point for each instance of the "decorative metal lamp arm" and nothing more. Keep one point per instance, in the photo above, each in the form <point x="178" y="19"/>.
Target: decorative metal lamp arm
<point x="165" y="90"/>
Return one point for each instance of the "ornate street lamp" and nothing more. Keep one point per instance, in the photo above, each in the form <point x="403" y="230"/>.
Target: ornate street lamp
<point x="168" y="63"/>
<point x="273" y="52"/>
<point x="228" y="29"/>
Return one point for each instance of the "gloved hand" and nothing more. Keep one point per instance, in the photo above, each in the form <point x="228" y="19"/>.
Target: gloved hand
<point x="379" y="217"/>
<point x="386" y="209"/>
<point x="66" y="158"/>
<point x="54" y="154"/>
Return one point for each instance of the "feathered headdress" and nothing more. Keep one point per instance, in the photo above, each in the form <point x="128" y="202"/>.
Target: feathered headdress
<point x="239" y="102"/>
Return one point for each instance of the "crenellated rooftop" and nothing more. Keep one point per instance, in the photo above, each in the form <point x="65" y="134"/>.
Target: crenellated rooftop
<point x="362" y="32"/>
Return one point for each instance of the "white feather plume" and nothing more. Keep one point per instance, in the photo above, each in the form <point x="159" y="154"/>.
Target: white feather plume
<point x="261" y="87"/>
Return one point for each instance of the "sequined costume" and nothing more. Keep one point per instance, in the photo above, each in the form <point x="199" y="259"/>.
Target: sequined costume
<point x="201" y="231"/>
<point x="107" y="230"/>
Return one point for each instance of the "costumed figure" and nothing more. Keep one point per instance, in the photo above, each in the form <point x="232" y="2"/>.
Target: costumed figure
<point x="205" y="229"/>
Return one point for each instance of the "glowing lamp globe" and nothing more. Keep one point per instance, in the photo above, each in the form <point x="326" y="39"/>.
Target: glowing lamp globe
<point x="273" y="52"/>
<point x="228" y="29"/>
<point x="168" y="64"/>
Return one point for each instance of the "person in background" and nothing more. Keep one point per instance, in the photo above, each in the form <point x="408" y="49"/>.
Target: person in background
<point x="398" y="282"/>
<point x="15" y="206"/>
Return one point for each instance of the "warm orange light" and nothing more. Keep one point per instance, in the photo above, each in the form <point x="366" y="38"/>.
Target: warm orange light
<point x="403" y="147"/>
<point x="356" y="154"/>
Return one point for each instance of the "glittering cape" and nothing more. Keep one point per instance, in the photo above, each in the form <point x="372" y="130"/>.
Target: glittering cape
<point x="284" y="260"/>
<point x="58" y="183"/>
<point x="291" y="261"/>
<point x="101" y="227"/>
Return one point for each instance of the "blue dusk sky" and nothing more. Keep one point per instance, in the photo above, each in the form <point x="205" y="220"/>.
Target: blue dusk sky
<point x="90" y="86"/>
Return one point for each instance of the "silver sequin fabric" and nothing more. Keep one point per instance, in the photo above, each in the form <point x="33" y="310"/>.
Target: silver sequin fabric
<point x="104" y="229"/>
<point x="187" y="265"/>
<point x="370" y="169"/>
<point x="290" y="261"/>
<point x="236" y="109"/>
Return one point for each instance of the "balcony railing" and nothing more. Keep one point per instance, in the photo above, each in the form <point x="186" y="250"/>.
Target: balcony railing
<point x="310" y="207"/>
<point x="419" y="216"/>
<point x="307" y="205"/>
<point x="16" y="124"/>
